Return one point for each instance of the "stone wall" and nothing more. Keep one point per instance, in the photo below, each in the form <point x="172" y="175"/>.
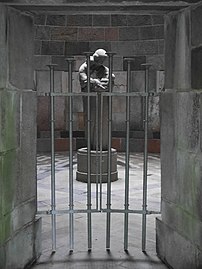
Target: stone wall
<point x="19" y="229"/>
<point x="59" y="36"/>
<point x="179" y="241"/>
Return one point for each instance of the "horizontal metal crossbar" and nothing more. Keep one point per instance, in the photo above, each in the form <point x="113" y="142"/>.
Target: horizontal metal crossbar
<point x="61" y="212"/>
<point x="132" y="94"/>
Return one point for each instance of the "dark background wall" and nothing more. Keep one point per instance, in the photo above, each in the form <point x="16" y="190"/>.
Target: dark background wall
<point x="138" y="35"/>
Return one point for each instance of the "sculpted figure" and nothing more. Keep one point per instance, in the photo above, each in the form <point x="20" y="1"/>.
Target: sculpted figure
<point x="99" y="80"/>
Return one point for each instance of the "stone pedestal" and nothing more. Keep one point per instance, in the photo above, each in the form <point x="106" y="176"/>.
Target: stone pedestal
<point x="82" y="168"/>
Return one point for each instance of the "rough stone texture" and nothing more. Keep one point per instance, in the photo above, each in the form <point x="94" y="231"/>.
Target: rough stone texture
<point x="185" y="255"/>
<point x="20" y="71"/>
<point x="3" y="48"/>
<point x="179" y="240"/>
<point x="19" y="231"/>
<point x="196" y="64"/>
<point x="177" y="54"/>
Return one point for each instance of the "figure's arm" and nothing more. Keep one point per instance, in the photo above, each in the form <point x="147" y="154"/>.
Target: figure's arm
<point x="83" y="77"/>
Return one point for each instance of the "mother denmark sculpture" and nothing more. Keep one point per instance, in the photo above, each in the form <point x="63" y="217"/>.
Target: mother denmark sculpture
<point x="99" y="80"/>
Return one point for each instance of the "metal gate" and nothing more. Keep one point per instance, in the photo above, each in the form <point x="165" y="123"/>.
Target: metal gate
<point x="108" y="210"/>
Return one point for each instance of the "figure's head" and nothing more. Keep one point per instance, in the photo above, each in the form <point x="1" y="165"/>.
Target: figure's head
<point x="100" y="56"/>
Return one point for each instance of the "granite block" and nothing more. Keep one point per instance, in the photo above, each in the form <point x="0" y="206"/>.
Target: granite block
<point x="91" y="34"/>
<point x="37" y="47"/>
<point x="64" y="33"/>
<point x="94" y="45"/>
<point x="42" y="32"/>
<point x="79" y="20"/>
<point x="101" y="20"/>
<point x="76" y="48"/>
<point x="40" y="19"/>
<point x="139" y="20"/>
<point x="52" y="48"/>
<point x="151" y="32"/>
<point x="145" y="47"/>
<point x="157" y="19"/>
<point x="196" y="24"/>
<point x="111" y="34"/>
<point x="21" y="50"/>
<point x="174" y="249"/>
<point x="196" y="65"/>
<point x="118" y="20"/>
<point x="128" y="33"/>
<point x="59" y="20"/>
<point x="41" y="62"/>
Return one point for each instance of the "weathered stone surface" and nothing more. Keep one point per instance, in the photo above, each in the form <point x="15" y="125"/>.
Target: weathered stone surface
<point x="42" y="32"/>
<point x="94" y="45"/>
<point x="151" y="32"/>
<point x="177" y="54"/>
<point x="175" y="249"/>
<point x="118" y="20"/>
<point x="76" y="48"/>
<point x="52" y="47"/>
<point x="187" y="117"/>
<point x="128" y="33"/>
<point x="3" y="48"/>
<point x="91" y="34"/>
<point x="157" y="62"/>
<point x="101" y="20"/>
<point x="200" y="122"/>
<point x="196" y="23"/>
<point x="22" y="241"/>
<point x="119" y="121"/>
<point x="145" y="47"/>
<point x="25" y="190"/>
<point x="168" y="146"/>
<point x="10" y="120"/>
<point x="157" y="19"/>
<point x="178" y="218"/>
<point x="41" y="62"/>
<point x="123" y="48"/>
<point x="20" y="54"/>
<point x="161" y="47"/>
<point x="17" y="150"/>
<point x="8" y="182"/>
<point x="111" y="34"/>
<point x="40" y="19"/>
<point x="170" y="40"/>
<point x="59" y="20"/>
<point x="64" y="33"/>
<point x="139" y="20"/>
<point x="37" y="47"/>
<point x="77" y="20"/>
<point x="196" y="65"/>
<point x="23" y="214"/>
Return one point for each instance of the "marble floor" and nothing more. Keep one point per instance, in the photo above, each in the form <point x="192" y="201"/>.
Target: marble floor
<point x="99" y="257"/>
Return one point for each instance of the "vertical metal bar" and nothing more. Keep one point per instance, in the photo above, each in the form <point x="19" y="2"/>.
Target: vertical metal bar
<point x="89" y="219"/>
<point x="101" y="114"/>
<point x="52" y="127"/>
<point x="144" y="206"/>
<point x="71" y="186"/>
<point x="127" y="158"/>
<point x="97" y="146"/>
<point x="108" y="228"/>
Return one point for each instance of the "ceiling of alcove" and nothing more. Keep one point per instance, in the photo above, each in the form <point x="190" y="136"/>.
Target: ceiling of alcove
<point x="104" y="6"/>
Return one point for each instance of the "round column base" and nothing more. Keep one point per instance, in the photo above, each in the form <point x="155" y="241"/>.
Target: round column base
<point x="82" y="167"/>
